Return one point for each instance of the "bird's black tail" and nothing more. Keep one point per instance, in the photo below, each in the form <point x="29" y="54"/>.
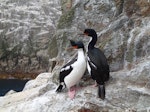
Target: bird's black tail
<point x="101" y="91"/>
<point x="59" y="89"/>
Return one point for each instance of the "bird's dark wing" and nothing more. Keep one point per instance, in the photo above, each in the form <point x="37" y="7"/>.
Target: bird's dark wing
<point x="92" y="65"/>
<point x="66" y="69"/>
<point x="98" y="60"/>
<point x="70" y="62"/>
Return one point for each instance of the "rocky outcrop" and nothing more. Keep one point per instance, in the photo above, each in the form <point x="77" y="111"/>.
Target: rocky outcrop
<point x="38" y="43"/>
<point x="34" y="34"/>
<point x="123" y="36"/>
<point x="26" y="31"/>
<point x="126" y="91"/>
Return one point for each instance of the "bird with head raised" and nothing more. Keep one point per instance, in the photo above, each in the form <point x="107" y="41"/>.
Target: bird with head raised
<point x="97" y="64"/>
<point x="72" y="72"/>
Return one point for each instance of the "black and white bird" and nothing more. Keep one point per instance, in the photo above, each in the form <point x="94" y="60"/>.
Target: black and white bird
<point x="72" y="72"/>
<point x="97" y="64"/>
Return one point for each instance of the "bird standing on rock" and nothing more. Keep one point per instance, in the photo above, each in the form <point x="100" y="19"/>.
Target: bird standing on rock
<point x="72" y="72"/>
<point x="97" y="64"/>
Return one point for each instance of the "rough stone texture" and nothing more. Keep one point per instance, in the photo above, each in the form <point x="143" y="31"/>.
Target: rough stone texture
<point x="39" y="42"/>
<point x="125" y="92"/>
<point x="38" y="31"/>
<point x="26" y="29"/>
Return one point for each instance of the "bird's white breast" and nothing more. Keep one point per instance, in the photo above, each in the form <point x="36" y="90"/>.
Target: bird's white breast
<point x="78" y="71"/>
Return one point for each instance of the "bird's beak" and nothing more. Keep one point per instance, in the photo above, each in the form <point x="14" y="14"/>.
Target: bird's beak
<point x="83" y="34"/>
<point x="71" y="48"/>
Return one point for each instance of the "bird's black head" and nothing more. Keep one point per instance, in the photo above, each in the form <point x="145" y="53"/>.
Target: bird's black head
<point x="77" y="44"/>
<point x="90" y="32"/>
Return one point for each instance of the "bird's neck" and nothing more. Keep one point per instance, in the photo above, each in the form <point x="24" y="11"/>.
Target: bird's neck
<point x="92" y="42"/>
<point x="80" y="54"/>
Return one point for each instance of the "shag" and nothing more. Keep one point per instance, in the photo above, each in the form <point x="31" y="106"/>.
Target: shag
<point x="72" y="72"/>
<point x="97" y="64"/>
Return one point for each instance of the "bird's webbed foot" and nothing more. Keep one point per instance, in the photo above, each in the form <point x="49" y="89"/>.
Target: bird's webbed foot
<point x="72" y="92"/>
